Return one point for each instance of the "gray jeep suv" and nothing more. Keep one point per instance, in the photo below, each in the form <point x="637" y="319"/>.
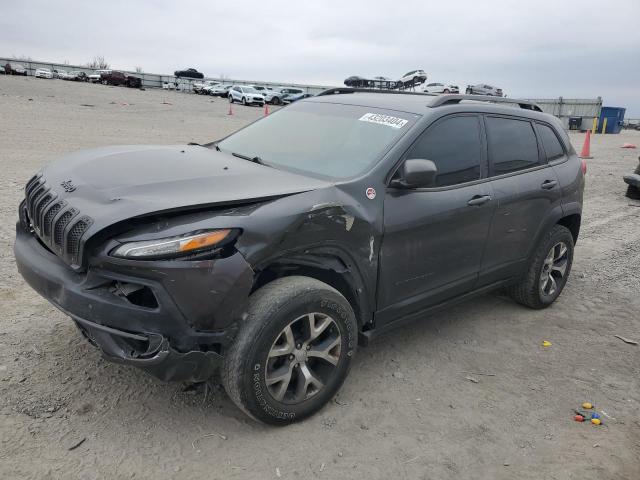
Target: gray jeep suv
<point x="270" y="261"/>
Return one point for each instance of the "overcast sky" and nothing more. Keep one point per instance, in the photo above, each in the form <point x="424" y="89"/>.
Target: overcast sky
<point x="541" y="48"/>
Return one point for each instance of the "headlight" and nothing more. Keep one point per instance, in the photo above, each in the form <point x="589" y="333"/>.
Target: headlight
<point x="173" y="247"/>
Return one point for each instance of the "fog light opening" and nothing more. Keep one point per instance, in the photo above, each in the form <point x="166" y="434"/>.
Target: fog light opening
<point x="139" y="295"/>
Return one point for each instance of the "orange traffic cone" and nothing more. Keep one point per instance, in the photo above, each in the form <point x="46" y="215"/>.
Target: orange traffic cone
<point x="230" y="112"/>
<point x="266" y="109"/>
<point x="586" y="147"/>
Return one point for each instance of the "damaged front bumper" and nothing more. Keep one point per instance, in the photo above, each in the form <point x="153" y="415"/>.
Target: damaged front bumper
<point x="173" y="319"/>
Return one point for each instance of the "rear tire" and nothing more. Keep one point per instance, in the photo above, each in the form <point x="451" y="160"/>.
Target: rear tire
<point x="230" y="98"/>
<point x="633" y="193"/>
<point x="547" y="271"/>
<point x="277" y="371"/>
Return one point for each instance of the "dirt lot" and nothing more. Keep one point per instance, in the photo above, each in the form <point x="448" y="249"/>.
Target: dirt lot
<point x="407" y="410"/>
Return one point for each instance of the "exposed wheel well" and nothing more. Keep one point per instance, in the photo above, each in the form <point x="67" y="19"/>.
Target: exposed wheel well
<point x="327" y="275"/>
<point x="572" y="222"/>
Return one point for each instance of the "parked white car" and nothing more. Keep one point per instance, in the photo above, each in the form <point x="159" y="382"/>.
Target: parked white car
<point x="414" y="77"/>
<point x="204" y="87"/>
<point x="207" y="89"/>
<point x="220" y="90"/>
<point x="439" y="88"/>
<point x="43" y="73"/>
<point x="262" y="89"/>
<point x="95" y="76"/>
<point x="245" y="95"/>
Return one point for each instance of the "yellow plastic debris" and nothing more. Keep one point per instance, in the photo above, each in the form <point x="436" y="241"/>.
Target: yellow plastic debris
<point x="546" y="343"/>
<point x="595" y="421"/>
<point x="587" y="405"/>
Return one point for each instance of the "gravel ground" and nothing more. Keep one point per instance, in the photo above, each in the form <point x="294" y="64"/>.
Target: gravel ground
<point x="415" y="404"/>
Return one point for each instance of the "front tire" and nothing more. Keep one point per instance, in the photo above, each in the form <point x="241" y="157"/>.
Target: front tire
<point x="547" y="271"/>
<point x="244" y="101"/>
<point x="293" y="351"/>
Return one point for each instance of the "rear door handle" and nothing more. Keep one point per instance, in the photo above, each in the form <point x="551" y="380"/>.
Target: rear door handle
<point x="478" y="200"/>
<point x="548" y="184"/>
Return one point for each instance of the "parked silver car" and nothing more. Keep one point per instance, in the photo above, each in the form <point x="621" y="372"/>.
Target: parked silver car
<point x="277" y="95"/>
<point x="484" y="89"/>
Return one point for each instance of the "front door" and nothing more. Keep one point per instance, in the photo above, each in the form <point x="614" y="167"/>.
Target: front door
<point x="434" y="238"/>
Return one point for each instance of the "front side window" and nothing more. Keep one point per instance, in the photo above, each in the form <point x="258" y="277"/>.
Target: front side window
<point x="330" y="140"/>
<point x="550" y="142"/>
<point x="512" y="145"/>
<point x="455" y="146"/>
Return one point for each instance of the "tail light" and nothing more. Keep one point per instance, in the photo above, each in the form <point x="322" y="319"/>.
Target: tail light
<point x="584" y="166"/>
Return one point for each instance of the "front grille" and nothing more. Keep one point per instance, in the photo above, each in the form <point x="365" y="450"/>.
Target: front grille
<point x="75" y="234"/>
<point x="62" y="222"/>
<point x="48" y="218"/>
<point x="53" y="221"/>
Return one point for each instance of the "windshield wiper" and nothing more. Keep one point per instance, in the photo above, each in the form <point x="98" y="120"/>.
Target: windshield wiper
<point x="255" y="159"/>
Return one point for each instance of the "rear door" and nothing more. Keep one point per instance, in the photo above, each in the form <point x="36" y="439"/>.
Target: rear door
<point x="434" y="237"/>
<point x="526" y="190"/>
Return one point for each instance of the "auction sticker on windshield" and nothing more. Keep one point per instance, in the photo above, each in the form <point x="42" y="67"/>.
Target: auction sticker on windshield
<point x="386" y="120"/>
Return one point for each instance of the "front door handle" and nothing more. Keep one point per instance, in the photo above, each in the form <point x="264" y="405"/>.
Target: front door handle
<point x="548" y="184"/>
<point x="478" y="200"/>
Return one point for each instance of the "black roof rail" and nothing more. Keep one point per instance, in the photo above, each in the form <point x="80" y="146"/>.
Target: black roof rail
<point x="451" y="99"/>
<point x="342" y="90"/>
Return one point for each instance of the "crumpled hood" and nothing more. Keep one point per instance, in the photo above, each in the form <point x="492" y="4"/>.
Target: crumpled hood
<point x="112" y="184"/>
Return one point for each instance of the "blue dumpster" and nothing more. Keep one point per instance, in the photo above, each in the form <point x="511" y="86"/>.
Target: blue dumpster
<point x="614" y="116"/>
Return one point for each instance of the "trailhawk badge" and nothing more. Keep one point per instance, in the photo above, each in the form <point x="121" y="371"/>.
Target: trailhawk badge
<point x="371" y="193"/>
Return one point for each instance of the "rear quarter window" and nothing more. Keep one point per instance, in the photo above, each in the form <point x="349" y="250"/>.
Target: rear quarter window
<point x="552" y="146"/>
<point x="512" y="145"/>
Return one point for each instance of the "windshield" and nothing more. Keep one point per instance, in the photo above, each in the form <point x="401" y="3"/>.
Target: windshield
<point x="249" y="90"/>
<point x="323" y="139"/>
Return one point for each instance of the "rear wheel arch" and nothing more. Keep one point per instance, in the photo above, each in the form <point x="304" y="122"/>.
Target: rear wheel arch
<point x="572" y="223"/>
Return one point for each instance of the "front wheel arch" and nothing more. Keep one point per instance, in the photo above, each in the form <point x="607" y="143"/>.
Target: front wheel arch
<point x="332" y="271"/>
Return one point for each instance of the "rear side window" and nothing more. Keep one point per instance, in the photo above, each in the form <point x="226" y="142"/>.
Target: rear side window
<point x="512" y="145"/>
<point x="454" y="145"/>
<point x="550" y="142"/>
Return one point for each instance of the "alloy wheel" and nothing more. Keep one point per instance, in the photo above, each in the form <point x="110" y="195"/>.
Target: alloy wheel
<point x="554" y="269"/>
<point x="303" y="358"/>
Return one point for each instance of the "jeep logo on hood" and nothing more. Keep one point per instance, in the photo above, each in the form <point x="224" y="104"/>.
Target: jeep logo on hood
<point x="68" y="186"/>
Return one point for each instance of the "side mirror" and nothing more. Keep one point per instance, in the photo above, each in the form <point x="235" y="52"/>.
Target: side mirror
<point x="417" y="173"/>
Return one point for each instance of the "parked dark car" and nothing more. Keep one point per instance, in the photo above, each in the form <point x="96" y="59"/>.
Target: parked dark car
<point x="188" y="73"/>
<point x="633" y="183"/>
<point x="272" y="261"/>
<point x="114" y="77"/>
<point x="77" y="76"/>
<point x="13" y="68"/>
<point x="356" y="81"/>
